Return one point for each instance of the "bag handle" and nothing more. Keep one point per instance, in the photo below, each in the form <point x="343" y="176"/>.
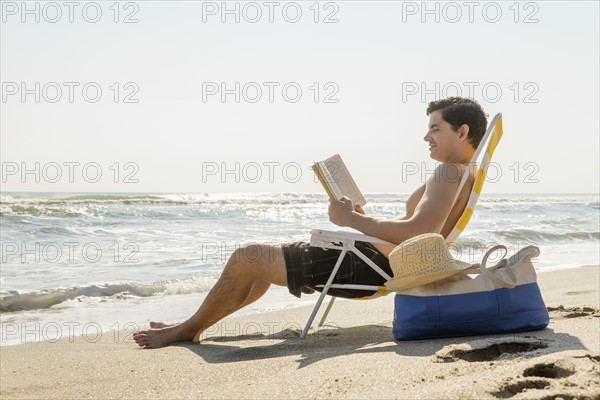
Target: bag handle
<point x="487" y="272"/>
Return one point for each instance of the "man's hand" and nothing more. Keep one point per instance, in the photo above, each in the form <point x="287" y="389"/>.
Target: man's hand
<point x="359" y="210"/>
<point x="342" y="211"/>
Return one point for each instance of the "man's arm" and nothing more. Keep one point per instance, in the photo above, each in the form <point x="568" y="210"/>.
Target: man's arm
<point x="429" y="216"/>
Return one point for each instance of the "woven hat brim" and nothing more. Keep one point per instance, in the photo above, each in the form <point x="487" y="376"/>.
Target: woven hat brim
<point x="408" y="282"/>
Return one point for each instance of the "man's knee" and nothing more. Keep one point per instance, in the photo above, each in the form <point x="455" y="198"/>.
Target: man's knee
<point x="258" y="261"/>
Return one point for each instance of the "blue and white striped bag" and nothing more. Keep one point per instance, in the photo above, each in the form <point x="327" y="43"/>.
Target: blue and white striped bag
<point x="500" y="299"/>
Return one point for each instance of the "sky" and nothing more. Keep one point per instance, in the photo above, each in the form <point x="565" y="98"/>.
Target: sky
<point x="191" y="96"/>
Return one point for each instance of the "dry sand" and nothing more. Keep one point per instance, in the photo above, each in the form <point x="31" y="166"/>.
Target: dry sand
<point x="355" y="356"/>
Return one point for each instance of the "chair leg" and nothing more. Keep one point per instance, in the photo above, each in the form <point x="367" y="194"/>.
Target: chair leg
<point x="329" y="306"/>
<point x="313" y="314"/>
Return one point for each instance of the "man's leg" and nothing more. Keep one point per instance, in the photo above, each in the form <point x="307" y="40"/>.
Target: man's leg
<point x="259" y="288"/>
<point x="246" y="277"/>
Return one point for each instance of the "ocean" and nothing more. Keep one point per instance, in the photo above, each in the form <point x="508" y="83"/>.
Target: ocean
<point x="94" y="264"/>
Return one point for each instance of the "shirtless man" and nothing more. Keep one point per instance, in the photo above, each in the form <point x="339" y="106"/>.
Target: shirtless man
<point x="456" y="126"/>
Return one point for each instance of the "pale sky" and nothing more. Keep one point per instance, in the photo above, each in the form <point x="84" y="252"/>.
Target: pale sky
<point x="373" y="65"/>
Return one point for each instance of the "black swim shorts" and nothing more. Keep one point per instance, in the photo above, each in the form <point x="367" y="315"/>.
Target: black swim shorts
<point x="308" y="266"/>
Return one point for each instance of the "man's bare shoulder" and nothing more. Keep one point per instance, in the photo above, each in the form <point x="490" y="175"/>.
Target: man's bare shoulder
<point x="447" y="174"/>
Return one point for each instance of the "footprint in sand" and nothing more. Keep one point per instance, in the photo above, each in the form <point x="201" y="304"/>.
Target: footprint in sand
<point x="573" y="378"/>
<point x="562" y="312"/>
<point x="488" y="349"/>
<point x="548" y="370"/>
<point x="511" y="389"/>
<point x="544" y="377"/>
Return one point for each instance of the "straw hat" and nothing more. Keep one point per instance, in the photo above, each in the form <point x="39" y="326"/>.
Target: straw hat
<point x="420" y="260"/>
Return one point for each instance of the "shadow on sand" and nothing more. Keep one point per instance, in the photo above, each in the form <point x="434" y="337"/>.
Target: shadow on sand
<point x="330" y="342"/>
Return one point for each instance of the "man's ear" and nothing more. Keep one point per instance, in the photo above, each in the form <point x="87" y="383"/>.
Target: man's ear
<point x="463" y="132"/>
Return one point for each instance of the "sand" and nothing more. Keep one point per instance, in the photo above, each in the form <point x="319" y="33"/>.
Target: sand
<point x="354" y="356"/>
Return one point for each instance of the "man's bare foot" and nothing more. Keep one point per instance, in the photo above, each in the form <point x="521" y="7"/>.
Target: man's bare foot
<point x="158" y="325"/>
<point x="160" y="337"/>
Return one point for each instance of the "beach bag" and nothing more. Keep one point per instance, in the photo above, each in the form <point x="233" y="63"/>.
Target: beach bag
<point x="500" y="299"/>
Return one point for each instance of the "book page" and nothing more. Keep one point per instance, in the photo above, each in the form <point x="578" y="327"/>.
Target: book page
<point x="340" y="180"/>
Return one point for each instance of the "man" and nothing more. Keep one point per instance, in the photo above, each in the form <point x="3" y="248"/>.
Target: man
<point x="456" y="126"/>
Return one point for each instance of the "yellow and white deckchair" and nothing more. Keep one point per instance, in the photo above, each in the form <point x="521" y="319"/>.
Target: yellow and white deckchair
<point x="344" y="240"/>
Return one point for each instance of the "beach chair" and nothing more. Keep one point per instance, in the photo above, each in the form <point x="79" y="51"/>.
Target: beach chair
<point x="344" y="240"/>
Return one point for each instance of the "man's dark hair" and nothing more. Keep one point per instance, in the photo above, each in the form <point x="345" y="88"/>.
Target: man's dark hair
<point x="458" y="111"/>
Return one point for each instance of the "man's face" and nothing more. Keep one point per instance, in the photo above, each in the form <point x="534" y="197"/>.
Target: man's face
<point x="442" y="139"/>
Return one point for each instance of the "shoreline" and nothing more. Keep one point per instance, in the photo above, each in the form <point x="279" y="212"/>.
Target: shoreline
<point x="277" y="300"/>
<point x="354" y="355"/>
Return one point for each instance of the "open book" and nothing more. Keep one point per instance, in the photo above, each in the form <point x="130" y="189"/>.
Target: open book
<point x="337" y="181"/>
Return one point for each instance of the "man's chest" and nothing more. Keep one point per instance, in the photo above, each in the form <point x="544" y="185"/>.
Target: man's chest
<point x="413" y="201"/>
